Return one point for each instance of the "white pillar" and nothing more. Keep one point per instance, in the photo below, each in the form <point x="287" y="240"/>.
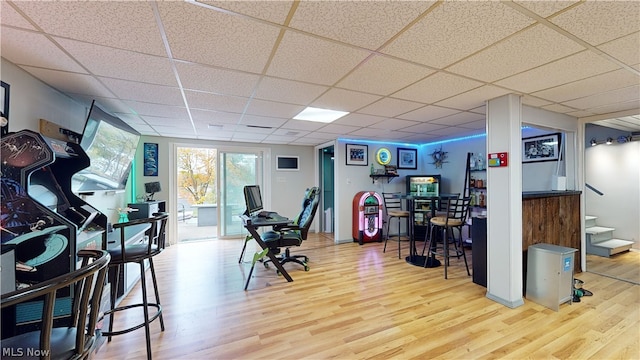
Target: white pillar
<point x="504" y="202"/>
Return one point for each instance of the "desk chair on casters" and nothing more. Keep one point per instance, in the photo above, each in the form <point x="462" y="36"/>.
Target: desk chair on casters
<point x="393" y="207"/>
<point x="138" y="253"/>
<point x="78" y="340"/>
<point x="453" y="218"/>
<point x="293" y="234"/>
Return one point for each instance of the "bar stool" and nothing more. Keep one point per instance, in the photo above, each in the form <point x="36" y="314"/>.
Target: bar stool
<point x="393" y="207"/>
<point x="138" y="253"/>
<point x="454" y="218"/>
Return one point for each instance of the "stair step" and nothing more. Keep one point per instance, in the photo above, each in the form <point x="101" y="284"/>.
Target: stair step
<point x="597" y="229"/>
<point x="590" y="221"/>
<point x="615" y="245"/>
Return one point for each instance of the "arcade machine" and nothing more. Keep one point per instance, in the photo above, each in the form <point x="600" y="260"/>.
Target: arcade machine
<point x="367" y="217"/>
<point x="43" y="223"/>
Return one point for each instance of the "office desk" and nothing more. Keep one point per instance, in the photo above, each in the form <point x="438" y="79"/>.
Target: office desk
<point x="414" y="258"/>
<point x="252" y="223"/>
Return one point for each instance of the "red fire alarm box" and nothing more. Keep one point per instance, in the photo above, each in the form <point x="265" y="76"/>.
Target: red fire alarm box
<point x="367" y="217"/>
<point x="498" y="159"/>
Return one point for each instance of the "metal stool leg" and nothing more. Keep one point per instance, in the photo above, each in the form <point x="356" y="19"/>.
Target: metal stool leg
<point x="155" y="289"/>
<point x="145" y="309"/>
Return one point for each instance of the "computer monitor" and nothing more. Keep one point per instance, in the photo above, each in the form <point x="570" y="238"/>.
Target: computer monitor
<point x="151" y="188"/>
<point x="253" y="199"/>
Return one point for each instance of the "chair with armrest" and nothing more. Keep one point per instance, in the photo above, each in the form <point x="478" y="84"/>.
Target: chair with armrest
<point x="293" y="234"/>
<point x="138" y="253"/>
<point x="78" y="340"/>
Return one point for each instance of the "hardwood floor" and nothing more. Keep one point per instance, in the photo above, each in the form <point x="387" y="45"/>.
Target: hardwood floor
<point x="357" y="302"/>
<point x="625" y="266"/>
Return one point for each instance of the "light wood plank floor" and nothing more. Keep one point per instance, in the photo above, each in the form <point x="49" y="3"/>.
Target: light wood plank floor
<point x="357" y="302"/>
<point x="625" y="265"/>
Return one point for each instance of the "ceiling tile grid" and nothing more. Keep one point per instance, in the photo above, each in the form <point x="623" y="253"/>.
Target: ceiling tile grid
<point x="408" y="71"/>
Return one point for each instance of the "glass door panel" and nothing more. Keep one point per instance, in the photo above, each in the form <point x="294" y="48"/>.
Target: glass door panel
<point x="236" y="171"/>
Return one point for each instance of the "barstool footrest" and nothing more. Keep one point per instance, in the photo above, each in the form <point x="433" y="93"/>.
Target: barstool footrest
<point x="136" y="327"/>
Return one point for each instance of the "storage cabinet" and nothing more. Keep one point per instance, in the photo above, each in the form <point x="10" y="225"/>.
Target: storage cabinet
<point x="146" y="209"/>
<point x="550" y="275"/>
<point x="422" y="186"/>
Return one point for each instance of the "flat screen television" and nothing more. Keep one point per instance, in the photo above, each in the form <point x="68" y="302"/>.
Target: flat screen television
<point x="253" y="199"/>
<point x="111" y="146"/>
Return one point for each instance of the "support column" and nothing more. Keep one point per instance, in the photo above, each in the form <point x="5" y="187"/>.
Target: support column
<point x="504" y="202"/>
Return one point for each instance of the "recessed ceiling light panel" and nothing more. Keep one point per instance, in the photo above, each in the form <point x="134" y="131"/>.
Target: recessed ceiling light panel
<point x="319" y="115"/>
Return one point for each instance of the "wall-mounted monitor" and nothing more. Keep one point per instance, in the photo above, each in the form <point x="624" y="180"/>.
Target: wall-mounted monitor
<point x="287" y="163"/>
<point x="111" y="146"/>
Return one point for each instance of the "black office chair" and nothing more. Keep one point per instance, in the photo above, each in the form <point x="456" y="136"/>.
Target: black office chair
<point x="78" y="340"/>
<point x="293" y="234"/>
<point x="139" y="253"/>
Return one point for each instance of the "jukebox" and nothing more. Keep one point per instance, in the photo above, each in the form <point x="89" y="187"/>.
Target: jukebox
<point x="367" y="217"/>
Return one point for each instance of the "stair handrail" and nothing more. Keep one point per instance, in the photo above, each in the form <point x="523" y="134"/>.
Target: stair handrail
<point x="594" y="189"/>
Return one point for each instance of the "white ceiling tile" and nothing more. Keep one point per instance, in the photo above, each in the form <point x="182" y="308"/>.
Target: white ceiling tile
<point x="599" y="83"/>
<point x="208" y="101"/>
<point x="214" y="117"/>
<point x="143" y="129"/>
<point x="334" y="128"/>
<point x="371" y="133"/>
<point x="290" y="132"/>
<point x="390" y="107"/>
<point x="597" y="22"/>
<point x="579" y="114"/>
<point x="108" y="104"/>
<point x="172" y="131"/>
<point x="130" y="119"/>
<point x="70" y="82"/>
<point x="273" y="11"/>
<point x="11" y="17"/>
<point x="559" y="72"/>
<point x="357" y="119"/>
<point x="109" y="23"/>
<point x="344" y="100"/>
<point x="383" y="75"/>
<point x="220" y="81"/>
<point x="302" y="125"/>
<point x="272" y="109"/>
<point x="458" y="119"/>
<point x="428" y="113"/>
<point x="479" y="110"/>
<point x="142" y="108"/>
<point x="129" y="90"/>
<point x="423" y="128"/>
<point x="254" y="129"/>
<point x="631" y="105"/>
<point x="393" y="124"/>
<point x="558" y="108"/>
<point x="306" y="58"/>
<point x="251" y="137"/>
<point x="530" y="48"/>
<point x="545" y="8"/>
<point x="222" y="39"/>
<point x="278" y="139"/>
<point x="625" y="49"/>
<point x="456" y="29"/>
<point x="262" y="121"/>
<point x="121" y="64"/>
<point x="437" y="87"/>
<point x="534" y="101"/>
<point x="473" y="98"/>
<point x="476" y="125"/>
<point x="33" y="49"/>
<point x="306" y="141"/>
<point x="630" y="93"/>
<point x="327" y="135"/>
<point x="288" y="91"/>
<point x="367" y="24"/>
<point x="166" y="121"/>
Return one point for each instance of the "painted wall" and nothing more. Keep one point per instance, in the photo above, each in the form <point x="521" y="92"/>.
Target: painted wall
<point x="614" y="170"/>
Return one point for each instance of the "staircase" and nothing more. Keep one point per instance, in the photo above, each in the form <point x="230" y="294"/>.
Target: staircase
<point x="600" y="239"/>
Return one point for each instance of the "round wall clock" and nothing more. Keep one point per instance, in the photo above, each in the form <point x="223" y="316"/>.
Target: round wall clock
<point x="383" y="156"/>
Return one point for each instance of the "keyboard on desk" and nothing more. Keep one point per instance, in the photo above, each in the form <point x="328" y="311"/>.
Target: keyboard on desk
<point x="265" y="214"/>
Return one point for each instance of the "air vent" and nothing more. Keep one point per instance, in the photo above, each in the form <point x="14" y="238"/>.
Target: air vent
<point x="260" y="127"/>
<point x="214" y="126"/>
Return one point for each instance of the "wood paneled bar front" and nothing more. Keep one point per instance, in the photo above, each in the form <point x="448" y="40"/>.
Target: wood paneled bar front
<point x="551" y="217"/>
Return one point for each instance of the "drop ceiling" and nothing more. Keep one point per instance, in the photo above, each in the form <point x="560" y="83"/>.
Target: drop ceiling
<point x="407" y="71"/>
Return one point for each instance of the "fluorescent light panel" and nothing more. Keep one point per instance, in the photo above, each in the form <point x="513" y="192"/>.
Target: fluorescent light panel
<point x="319" y="115"/>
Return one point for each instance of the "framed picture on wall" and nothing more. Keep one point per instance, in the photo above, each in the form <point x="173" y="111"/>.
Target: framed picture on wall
<point x="357" y="154"/>
<point x="407" y="158"/>
<point x="541" y="148"/>
<point x="150" y="159"/>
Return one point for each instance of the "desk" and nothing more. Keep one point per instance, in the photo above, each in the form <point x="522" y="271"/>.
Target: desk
<point x="414" y="258"/>
<point x="252" y="223"/>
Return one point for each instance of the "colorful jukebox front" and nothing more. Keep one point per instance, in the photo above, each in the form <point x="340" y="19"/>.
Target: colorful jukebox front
<point x="367" y="217"/>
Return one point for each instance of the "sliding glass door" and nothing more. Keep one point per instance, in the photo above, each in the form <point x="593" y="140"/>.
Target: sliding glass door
<point x="236" y="169"/>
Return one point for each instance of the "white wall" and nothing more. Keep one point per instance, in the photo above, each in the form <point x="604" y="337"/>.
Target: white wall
<point x="615" y="171"/>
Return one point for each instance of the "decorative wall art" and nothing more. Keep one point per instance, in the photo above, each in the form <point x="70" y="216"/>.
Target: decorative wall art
<point x="541" y="148"/>
<point x="407" y="158"/>
<point x="439" y="157"/>
<point x="150" y="159"/>
<point x="357" y="154"/>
